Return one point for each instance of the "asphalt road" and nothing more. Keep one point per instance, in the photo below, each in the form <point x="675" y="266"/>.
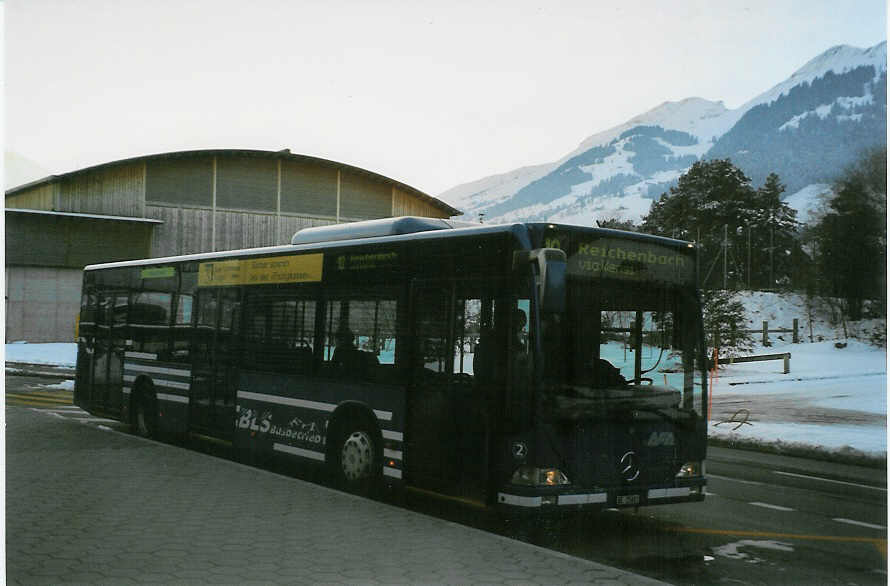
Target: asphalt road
<point x="767" y="519"/>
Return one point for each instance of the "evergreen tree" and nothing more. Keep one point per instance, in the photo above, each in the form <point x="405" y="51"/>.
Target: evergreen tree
<point x="852" y="235"/>
<point x="725" y="324"/>
<point x="778" y="226"/>
<point x="715" y="205"/>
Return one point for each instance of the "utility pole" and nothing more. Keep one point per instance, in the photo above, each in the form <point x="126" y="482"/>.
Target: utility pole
<point x="698" y="256"/>
<point x="725" y="249"/>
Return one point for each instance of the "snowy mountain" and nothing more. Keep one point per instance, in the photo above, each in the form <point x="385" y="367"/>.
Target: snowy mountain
<point x="807" y="129"/>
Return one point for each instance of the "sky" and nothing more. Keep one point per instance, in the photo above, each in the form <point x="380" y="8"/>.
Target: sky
<point x="430" y="93"/>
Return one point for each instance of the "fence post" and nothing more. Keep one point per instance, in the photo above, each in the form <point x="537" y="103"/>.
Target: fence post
<point x="766" y="333"/>
<point x="795" y="338"/>
<point x="787" y="363"/>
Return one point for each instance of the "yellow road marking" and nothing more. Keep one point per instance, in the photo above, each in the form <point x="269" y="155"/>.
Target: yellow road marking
<point x="466" y="501"/>
<point x="47" y="394"/>
<point x="880" y="544"/>
<point x="32" y="399"/>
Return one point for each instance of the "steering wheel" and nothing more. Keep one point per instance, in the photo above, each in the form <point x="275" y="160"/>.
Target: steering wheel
<point x="642" y="379"/>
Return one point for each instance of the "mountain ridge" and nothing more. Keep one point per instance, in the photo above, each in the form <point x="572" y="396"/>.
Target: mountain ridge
<point x="617" y="172"/>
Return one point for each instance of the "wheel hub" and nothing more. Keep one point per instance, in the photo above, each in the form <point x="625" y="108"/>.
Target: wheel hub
<point x="356" y="456"/>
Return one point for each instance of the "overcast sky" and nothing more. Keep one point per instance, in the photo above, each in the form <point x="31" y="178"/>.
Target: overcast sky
<point x="430" y="93"/>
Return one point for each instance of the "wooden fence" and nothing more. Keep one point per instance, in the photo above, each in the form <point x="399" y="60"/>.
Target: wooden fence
<point x="785" y="357"/>
<point x="764" y="331"/>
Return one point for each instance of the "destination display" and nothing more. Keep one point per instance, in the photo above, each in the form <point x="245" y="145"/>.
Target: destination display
<point x="366" y="261"/>
<point x="301" y="268"/>
<point x="613" y="258"/>
<point x="158" y="273"/>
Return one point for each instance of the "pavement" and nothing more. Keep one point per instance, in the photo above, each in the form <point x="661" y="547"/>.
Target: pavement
<point x="86" y="504"/>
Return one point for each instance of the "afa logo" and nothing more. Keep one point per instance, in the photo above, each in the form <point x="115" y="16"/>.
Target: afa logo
<point x="660" y="439"/>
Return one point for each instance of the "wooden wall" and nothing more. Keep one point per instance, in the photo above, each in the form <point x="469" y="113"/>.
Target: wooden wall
<point x="39" y="197"/>
<point x="404" y="204"/>
<point x="112" y="191"/>
<point x="56" y="240"/>
<point x="211" y="202"/>
<point x="191" y="230"/>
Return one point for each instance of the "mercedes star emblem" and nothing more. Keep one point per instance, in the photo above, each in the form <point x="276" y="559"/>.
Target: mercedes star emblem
<point x="629" y="466"/>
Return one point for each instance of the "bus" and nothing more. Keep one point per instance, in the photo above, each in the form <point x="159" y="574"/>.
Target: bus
<point x="526" y="366"/>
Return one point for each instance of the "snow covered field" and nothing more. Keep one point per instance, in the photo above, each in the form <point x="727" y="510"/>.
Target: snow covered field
<point x="833" y="398"/>
<point x="57" y="354"/>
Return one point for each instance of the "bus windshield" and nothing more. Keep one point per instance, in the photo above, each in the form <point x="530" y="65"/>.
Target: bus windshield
<point x="624" y="345"/>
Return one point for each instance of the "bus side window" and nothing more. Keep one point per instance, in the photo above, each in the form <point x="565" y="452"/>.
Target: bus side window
<point x="182" y="328"/>
<point x="227" y="342"/>
<point x="279" y="334"/>
<point x="205" y="325"/>
<point x="150" y="322"/>
<point x="360" y="340"/>
<point x="87" y="324"/>
<point x="433" y="330"/>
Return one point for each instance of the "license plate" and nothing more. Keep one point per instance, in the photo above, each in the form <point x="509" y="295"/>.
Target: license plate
<point x="628" y="499"/>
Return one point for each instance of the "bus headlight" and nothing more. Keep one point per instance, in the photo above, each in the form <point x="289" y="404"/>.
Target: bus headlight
<point x="690" y="469"/>
<point x="531" y="476"/>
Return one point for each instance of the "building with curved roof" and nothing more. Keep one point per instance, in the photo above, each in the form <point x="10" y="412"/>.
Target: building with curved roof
<point x="171" y="204"/>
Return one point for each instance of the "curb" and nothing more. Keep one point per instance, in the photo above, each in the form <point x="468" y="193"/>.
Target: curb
<point x="817" y="453"/>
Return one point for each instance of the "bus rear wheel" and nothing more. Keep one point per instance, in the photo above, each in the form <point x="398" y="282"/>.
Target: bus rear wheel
<point x="145" y="417"/>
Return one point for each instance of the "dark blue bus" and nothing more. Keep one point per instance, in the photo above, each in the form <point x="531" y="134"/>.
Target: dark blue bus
<point x="527" y="366"/>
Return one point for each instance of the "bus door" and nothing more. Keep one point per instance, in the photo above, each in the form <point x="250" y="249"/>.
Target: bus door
<point x="214" y="362"/>
<point x="108" y="351"/>
<point x="449" y="410"/>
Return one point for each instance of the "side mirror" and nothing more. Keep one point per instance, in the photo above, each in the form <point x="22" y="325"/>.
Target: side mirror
<point x="551" y="277"/>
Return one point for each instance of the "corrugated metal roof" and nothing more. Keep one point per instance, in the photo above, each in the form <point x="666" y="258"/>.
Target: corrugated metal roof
<point x="283" y="154"/>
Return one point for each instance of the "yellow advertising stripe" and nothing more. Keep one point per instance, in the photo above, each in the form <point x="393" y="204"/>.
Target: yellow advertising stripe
<point x="298" y="268"/>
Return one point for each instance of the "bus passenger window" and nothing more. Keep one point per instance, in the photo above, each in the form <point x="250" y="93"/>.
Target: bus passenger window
<point x="182" y="328"/>
<point x="150" y="323"/>
<point x="279" y="334"/>
<point x="360" y="339"/>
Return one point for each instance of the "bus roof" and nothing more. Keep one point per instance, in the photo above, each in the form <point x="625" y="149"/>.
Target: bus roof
<point x="390" y="230"/>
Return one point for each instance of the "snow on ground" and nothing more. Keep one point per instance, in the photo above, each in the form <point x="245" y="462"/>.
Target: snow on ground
<point x="65" y="385"/>
<point x="55" y="354"/>
<point x="833" y="398"/>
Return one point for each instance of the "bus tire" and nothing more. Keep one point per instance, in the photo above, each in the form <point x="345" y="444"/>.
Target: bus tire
<point x="145" y="414"/>
<point x="355" y="457"/>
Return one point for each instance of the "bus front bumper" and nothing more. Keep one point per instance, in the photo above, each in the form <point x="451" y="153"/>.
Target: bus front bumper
<point x="519" y="498"/>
